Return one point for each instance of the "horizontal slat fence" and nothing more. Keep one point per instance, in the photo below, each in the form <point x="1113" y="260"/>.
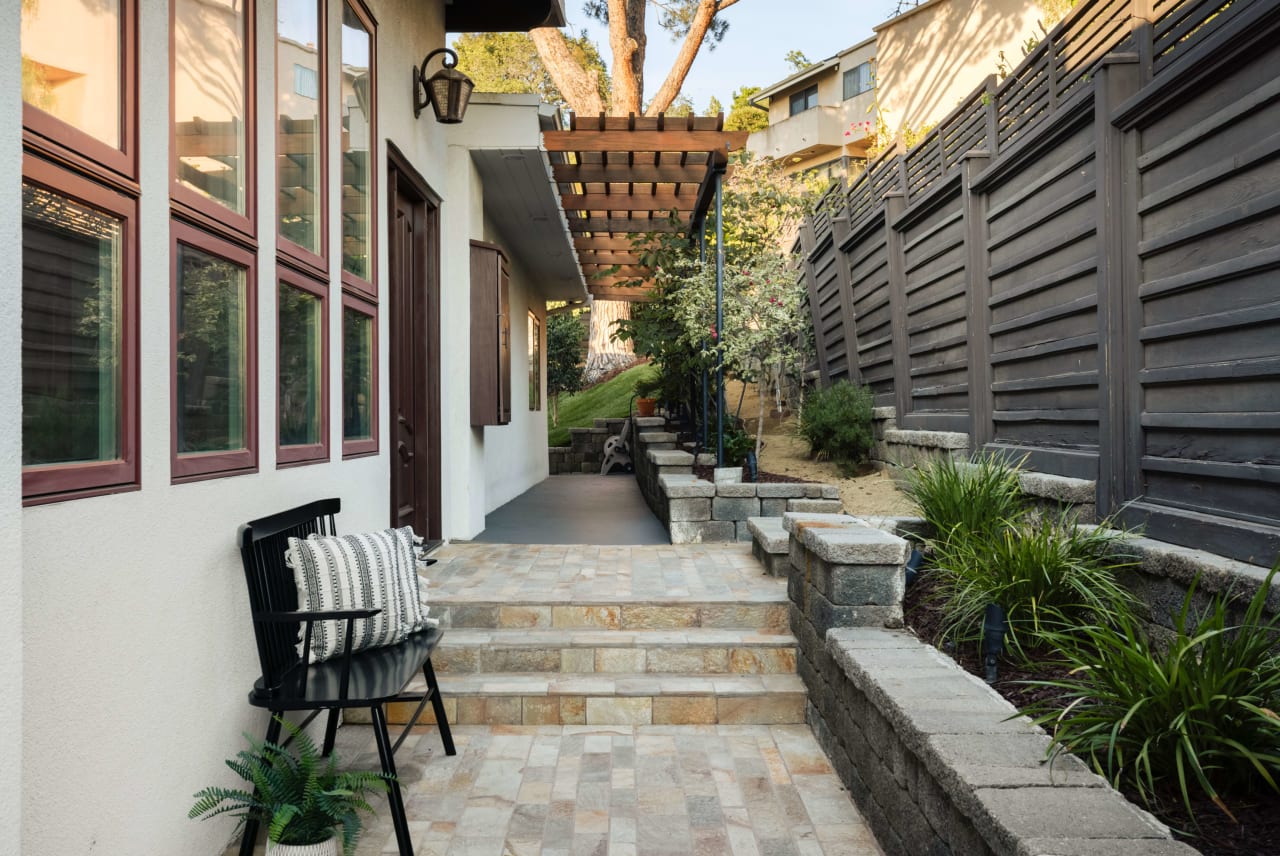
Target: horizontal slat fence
<point x="1081" y="265"/>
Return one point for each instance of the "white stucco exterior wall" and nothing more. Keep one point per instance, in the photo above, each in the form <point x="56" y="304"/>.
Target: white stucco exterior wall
<point x="11" y="603"/>
<point x="137" y="651"/>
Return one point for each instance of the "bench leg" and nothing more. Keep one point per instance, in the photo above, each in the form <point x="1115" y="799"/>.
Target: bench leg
<point x="330" y="731"/>
<point x="437" y="704"/>
<point x="250" y="837"/>
<point x="396" y="802"/>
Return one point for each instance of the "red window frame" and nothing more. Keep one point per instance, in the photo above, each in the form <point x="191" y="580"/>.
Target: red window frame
<point x="362" y="447"/>
<point x="196" y="466"/>
<point x="350" y="282"/>
<point x="57" y="482"/>
<point x="317" y="264"/>
<point x="207" y="213"/>
<point x="70" y="146"/>
<point x="311" y="453"/>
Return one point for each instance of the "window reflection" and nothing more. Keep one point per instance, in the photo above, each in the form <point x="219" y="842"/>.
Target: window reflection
<point x="212" y="356"/>
<point x="70" y="330"/>
<point x="209" y="98"/>
<point x="357" y="119"/>
<point x="300" y="360"/>
<point x="71" y="63"/>
<point x="357" y="375"/>
<point x="298" y="99"/>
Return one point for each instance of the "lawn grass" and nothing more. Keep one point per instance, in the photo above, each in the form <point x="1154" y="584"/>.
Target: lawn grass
<point x="610" y="399"/>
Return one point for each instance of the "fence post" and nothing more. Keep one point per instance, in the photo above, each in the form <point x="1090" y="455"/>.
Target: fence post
<point x="840" y="231"/>
<point x="1119" y="307"/>
<point x="977" y="303"/>
<point x="894" y="205"/>
<point x="992" y="105"/>
<point x="807" y="241"/>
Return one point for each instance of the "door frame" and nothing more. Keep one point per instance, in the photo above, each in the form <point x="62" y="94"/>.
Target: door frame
<point x="404" y="179"/>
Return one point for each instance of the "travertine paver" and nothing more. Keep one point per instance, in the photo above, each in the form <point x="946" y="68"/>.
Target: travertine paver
<point x="617" y="791"/>
<point x="558" y="573"/>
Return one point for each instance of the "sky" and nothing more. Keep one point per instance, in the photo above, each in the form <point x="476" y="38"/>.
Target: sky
<point x="761" y="32"/>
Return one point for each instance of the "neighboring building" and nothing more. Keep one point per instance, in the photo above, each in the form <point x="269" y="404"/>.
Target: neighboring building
<point x="245" y="282"/>
<point x="915" y="69"/>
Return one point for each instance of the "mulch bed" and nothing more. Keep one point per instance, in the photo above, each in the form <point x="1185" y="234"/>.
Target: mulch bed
<point x="762" y="477"/>
<point x="1258" y="830"/>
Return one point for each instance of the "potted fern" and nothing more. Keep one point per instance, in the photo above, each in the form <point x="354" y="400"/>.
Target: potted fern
<point x="302" y="799"/>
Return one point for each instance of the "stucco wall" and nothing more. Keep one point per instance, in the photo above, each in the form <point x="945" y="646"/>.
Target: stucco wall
<point x="515" y="455"/>
<point x="138" y="650"/>
<point x="929" y="59"/>
<point x="11" y="603"/>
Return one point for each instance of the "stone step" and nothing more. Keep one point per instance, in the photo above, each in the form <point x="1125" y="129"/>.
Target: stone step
<point x="701" y="650"/>
<point x="765" y="616"/>
<point x="614" y="699"/>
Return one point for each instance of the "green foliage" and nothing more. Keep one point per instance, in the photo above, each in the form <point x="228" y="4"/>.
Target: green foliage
<point x="611" y="399"/>
<point x="763" y="209"/>
<point x="836" y="423"/>
<point x="742" y="115"/>
<point x="509" y="62"/>
<point x="798" y="61"/>
<point x="680" y="107"/>
<point x="1198" y="711"/>
<point x="300" y="798"/>
<point x="1040" y="572"/>
<point x="566" y="349"/>
<point x="970" y="499"/>
<point x="714" y="107"/>
<point x="737" y="442"/>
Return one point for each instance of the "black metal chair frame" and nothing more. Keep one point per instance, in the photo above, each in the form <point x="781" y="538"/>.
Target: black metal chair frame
<point x="291" y="682"/>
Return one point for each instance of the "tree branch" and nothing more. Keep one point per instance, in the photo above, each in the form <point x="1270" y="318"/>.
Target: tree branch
<point x="702" y="19"/>
<point x="627" y="42"/>
<point x="576" y="83"/>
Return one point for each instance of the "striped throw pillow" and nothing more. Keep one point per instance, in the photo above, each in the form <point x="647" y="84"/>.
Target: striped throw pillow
<point x="373" y="570"/>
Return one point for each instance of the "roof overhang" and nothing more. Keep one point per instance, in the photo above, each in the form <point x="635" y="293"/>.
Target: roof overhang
<point x="623" y="177"/>
<point x="502" y="16"/>
<point x="796" y="79"/>
<point x="503" y="136"/>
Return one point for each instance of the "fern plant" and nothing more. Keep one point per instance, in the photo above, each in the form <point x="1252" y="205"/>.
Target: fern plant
<point x="978" y="498"/>
<point x="301" y="798"/>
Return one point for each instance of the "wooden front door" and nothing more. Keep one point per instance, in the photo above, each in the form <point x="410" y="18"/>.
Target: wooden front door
<point x="414" y="229"/>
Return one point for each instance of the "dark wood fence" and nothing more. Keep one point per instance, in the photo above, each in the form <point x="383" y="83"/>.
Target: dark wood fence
<point x="1081" y="264"/>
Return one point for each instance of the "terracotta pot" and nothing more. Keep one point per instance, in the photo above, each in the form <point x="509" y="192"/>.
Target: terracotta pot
<point x="332" y="847"/>
<point x="646" y="406"/>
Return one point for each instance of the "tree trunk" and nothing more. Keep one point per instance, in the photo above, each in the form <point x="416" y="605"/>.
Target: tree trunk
<point x="604" y="353"/>
<point x="578" y="86"/>
<point x="627" y="41"/>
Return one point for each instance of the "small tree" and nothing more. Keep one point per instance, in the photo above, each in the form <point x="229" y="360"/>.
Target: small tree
<point x="566" y="347"/>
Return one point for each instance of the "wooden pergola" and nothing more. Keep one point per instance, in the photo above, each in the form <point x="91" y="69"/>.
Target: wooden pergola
<point x="620" y="177"/>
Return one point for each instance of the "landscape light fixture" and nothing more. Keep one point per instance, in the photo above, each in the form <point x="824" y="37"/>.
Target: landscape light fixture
<point x="994" y="627"/>
<point x="448" y="91"/>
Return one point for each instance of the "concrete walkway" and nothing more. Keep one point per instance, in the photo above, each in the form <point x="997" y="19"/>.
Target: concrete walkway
<point x="577" y="509"/>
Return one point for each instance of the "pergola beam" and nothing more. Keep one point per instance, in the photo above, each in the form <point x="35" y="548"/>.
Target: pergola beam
<point x="635" y="201"/>
<point x="626" y="295"/>
<point x="620" y="224"/>
<point x="621" y="173"/>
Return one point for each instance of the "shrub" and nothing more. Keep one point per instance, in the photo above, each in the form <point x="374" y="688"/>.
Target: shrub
<point x="1039" y="572"/>
<point x="737" y="442"/>
<point x="1198" y="711"/>
<point x="977" y="499"/>
<point x="836" y="423"/>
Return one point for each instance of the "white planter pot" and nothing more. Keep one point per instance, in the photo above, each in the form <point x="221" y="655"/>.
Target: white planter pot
<point x="332" y="847"/>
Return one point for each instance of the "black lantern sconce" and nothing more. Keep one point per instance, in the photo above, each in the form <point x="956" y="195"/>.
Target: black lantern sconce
<point x="448" y="91"/>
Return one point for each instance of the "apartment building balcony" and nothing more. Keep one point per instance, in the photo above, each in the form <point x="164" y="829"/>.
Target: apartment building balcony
<point x="804" y="135"/>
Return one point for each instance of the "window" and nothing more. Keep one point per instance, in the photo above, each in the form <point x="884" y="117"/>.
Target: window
<point x="858" y="80"/>
<point x="300" y="140"/>
<point x="79" y="339"/>
<point x="79" y="249"/>
<point x="214" y="366"/>
<point x="359" y="378"/>
<point x="806" y="99"/>
<point x="359" y="131"/>
<point x="535" y="362"/>
<point x="79" y="81"/>
<point x="212" y="55"/>
<point x="302" y="359"/>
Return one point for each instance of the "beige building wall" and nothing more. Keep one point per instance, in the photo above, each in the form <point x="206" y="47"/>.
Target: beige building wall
<point x="931" y="58"/>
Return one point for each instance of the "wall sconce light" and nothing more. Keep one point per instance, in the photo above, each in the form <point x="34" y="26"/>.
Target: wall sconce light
<point x="448" y="91"/>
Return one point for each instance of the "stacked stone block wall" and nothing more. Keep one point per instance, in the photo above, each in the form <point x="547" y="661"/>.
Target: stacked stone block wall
<point x="585" y="451"/>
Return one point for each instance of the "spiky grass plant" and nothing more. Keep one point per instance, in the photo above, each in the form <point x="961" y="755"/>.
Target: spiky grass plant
<point x="1197" y="712"/>
<point x="1037" y="570"/>
<point x="301" y="798"/>
<point x="973" y="498"/>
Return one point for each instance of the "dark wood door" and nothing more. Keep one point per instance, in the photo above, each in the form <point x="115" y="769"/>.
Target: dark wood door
<point x="414" y="304"/>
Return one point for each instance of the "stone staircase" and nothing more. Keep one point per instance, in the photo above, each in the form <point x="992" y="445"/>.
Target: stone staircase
<point x="666" y="661"/>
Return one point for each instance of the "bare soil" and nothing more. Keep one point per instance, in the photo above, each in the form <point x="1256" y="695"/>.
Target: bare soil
<point x="786" y="454"/>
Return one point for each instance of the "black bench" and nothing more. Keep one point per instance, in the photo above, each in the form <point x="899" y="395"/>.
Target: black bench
<point x="290" y="682"/>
